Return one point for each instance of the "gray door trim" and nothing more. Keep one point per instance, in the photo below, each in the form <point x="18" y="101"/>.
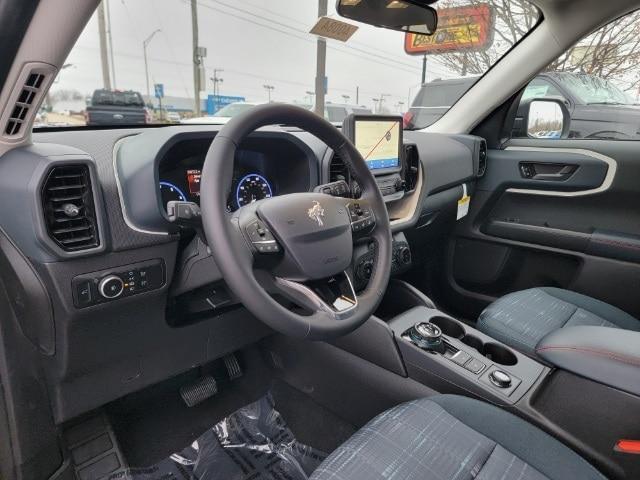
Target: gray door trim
<point x="606" y="183"/>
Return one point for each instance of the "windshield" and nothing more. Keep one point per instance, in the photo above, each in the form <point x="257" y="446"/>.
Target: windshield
<point x="168" y="61"/>
<point x="594" y="90"/>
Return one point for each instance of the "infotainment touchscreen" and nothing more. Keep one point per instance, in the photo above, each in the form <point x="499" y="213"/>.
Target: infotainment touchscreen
<point x="378" y="139"/>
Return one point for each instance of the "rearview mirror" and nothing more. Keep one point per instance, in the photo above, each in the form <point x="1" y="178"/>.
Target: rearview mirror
<point x="547" y="118"/>
<point x="416" y="17"/>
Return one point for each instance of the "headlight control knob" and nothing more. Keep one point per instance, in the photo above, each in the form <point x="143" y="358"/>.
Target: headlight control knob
<point x="111" y="286"/>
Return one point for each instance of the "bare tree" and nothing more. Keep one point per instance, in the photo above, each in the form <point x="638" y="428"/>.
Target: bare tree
<point x="612" y="52"/>
<point x="65" y="95"/>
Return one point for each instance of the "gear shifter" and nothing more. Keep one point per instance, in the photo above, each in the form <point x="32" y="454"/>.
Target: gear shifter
<point x="427" y="336"/>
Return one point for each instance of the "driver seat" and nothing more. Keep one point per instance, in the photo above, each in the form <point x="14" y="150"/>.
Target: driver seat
<point x="449" y="437"/>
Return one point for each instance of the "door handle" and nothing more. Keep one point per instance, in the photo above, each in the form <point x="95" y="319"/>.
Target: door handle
<point x="554" y="172"/>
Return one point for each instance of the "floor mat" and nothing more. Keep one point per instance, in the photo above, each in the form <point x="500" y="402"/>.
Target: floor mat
<point x="253" y="443"/>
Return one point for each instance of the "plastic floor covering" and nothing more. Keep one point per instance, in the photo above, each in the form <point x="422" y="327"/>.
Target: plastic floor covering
<point x="253" y="443"/>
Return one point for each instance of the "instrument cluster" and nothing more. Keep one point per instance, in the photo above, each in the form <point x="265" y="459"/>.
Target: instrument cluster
<point x="264" y="168"/>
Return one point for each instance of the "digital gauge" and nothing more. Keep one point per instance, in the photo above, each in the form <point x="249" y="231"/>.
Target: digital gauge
<point x="251" y="188"/>
<point x="171" y="193"/>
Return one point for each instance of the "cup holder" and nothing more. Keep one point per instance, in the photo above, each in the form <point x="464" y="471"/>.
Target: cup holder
<point x="499" y="354"/>
<point x="449" y="327"/>
<point x="493" y="351"/>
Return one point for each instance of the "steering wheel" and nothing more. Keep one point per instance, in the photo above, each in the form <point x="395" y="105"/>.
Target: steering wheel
<point x="298" y="245"/>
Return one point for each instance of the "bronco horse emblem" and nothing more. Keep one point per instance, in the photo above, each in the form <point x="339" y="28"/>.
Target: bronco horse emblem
<point x="316" y="213"/>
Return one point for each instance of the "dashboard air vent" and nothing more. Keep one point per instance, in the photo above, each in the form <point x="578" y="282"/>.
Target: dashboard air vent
<point x="482" y="160"/>
<point x="23" y="104"/>
<point x="338" y="170"/>
<point x="412" y="164"/>
<point x="69" y="211"/>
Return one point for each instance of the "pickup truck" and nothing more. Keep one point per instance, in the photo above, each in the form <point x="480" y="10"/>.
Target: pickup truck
<point x="114" y="107"/>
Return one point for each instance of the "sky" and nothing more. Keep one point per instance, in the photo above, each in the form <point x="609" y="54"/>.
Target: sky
<point x="254" y="42"/>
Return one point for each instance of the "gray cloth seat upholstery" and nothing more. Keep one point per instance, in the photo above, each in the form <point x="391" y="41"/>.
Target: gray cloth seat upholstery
<point x="449" y="437"/>
<point x="522" y="319"/>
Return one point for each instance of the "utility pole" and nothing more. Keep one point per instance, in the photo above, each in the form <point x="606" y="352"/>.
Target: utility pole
<point x="382" y="97"/>
<point x="424" y="68"/>
<point x="357" y="95"/>
<point x="145" y="43"/>
<point x="109" y="37"/>
<point x="321" y="63"/>
<point x="269" y="89"/>
<point x="217" y="80"/>
<point x="346" y="98"/>
<point x="104" y="55"/>
<point x="196" y="57"/>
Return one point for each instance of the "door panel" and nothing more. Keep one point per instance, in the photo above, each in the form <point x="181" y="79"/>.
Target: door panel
<point x="580" y="232"/>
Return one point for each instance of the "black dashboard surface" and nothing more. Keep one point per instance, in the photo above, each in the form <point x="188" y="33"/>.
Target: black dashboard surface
<point x="128" y="343"/>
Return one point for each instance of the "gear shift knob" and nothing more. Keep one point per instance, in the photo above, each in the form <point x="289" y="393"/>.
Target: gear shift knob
<point x="428" y="336"/>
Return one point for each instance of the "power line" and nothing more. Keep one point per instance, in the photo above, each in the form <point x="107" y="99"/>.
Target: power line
<point x="304" y="32"/>
<point x="307" y="39"/>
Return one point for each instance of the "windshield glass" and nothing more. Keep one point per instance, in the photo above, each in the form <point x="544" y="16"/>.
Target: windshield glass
<point x="168" y="61"/>
<point x="590" y="89"/>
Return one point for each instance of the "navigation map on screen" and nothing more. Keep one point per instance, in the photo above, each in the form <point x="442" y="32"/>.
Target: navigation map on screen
<point x="378" y="142"/>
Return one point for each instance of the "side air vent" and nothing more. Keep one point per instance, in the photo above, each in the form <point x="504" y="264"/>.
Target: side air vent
<point x="69" y="211"/>
<point x="338" y="170"/>
<point x="23" y="104"/>
<point x="412" y="163"/>
<point x="482" y="160"/>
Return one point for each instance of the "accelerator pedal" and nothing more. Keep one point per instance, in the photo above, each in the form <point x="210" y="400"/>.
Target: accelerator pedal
<point x="233" y="366"/>
<point x="199" y="391"/>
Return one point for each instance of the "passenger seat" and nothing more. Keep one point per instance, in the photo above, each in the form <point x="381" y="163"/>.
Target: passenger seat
<point x="522" y="319"/>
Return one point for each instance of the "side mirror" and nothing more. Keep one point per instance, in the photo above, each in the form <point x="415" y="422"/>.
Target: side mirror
<point x="547" y="118"/>
<point x="414" y="17"/>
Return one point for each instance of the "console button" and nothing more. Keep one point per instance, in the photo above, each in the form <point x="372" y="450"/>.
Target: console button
<point x="460" y="357"/>
<point x="83" y="293"/>
<point x="474" y="365"/>
<point x="500" y="379"/>
<point x="111" y="286"/>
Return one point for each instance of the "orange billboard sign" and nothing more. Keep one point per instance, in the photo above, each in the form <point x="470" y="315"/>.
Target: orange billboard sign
<point x="459" y="28"/>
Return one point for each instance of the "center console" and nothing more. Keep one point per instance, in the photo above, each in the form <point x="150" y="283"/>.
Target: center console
<point x="582" y="388"/>
<point x="443" y="352"/>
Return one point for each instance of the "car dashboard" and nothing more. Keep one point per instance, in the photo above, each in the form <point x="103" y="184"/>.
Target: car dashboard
<point x="176" y="311"/>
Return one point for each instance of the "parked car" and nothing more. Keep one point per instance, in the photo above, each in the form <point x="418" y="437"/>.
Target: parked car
<point x="115" y="107"/>
<point x="171" y="116"/>
<point x="434" y="99"/>
<point x="337" y="112"/>
<point x="597" y="107"/>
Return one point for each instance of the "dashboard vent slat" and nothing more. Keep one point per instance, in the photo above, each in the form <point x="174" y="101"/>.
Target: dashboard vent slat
<point x="69" y="211"/>
<point x="482" y="160"/>
<point x="23" y="104"/>
<point x="27" y="93"/>
<point x="338" y="170"/>
<point x="412" y="165"/>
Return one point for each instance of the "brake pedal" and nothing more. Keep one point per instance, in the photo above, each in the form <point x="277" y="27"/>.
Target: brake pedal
<point x="233" y="366"/>
<point x="198" y="392"/>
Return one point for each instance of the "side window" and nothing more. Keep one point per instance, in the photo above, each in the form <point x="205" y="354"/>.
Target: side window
<point x="592" y="91"/>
